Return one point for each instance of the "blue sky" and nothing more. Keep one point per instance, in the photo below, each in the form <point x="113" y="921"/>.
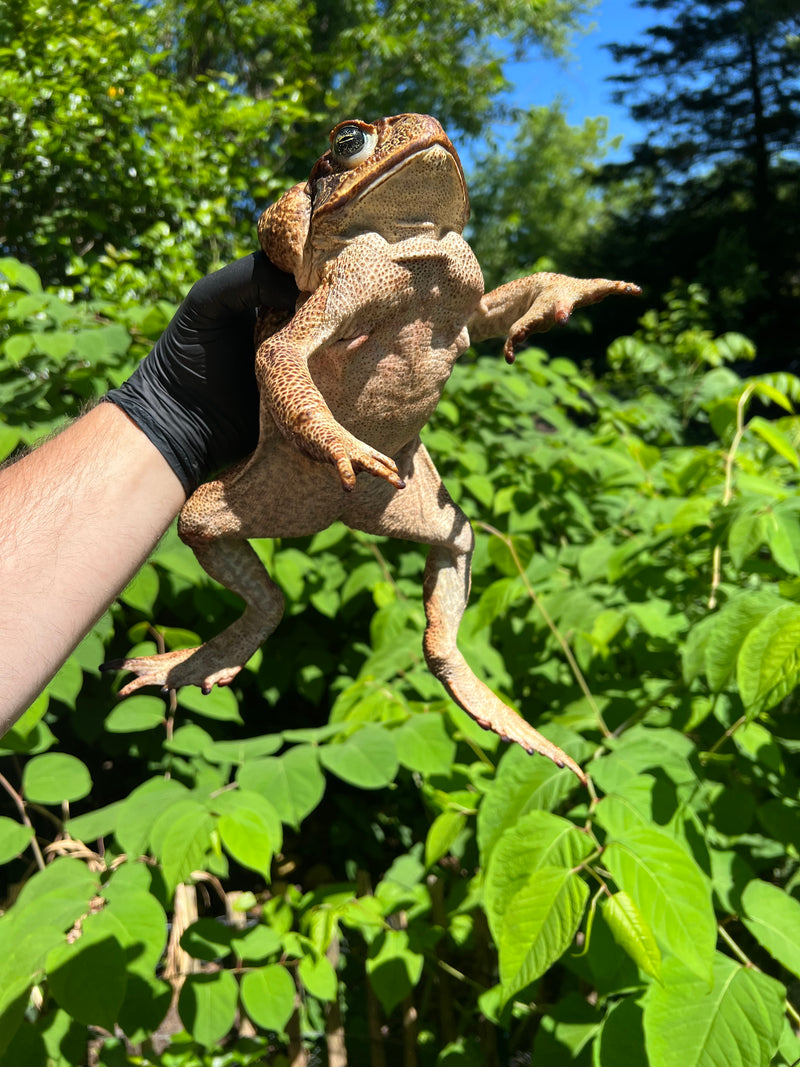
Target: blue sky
<point x="580" y="80"/>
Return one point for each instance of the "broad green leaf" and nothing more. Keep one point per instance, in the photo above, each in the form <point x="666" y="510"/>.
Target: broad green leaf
<point x="248" y="748"/>
<point x="424" y="745"/>
<point x="55" y="777"/>
<point x="142" y="590"/>
<point x="257" y="944"/>
<point x="775" y="438"/>
<point x="219" y="704"/>
<point x="670" y="892"/>
<point x="140" y="810"/>
<point x="526" y="783"/>
<point x="94" y="824"/>
<point x="367" y="758"/>
<point x="318" y="977"/>
<point x="731" y="626"/>
<point x="632" y="933"/>
<point x="444" y="830"/>
<point x="208" y="939"/>
<point x="20" y="275"/>
<point x="768" y="668"/>
<point x="14" y="838"/>
<point x="621" y="1041"/>
<point x="393" y="968"/>
<point x="268" y="995"/>
<point x="207" y="1006"/>
<point x="734" y="1023"/>
<point x="250" y="829"/>
<point x="773" y="918"/>
<point x="539" y="925"/>
<point x="136" y="713"/>
<point x="747" y="533"/>
<point x="72" y="975"/>
<point x="292" y="782"/>
<point x="135" y="919"/>
<point x="181" y="839"/>
<point x="538" y="839"/>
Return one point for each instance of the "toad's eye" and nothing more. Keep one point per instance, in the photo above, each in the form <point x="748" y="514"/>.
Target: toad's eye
<point x="351" y="144"/>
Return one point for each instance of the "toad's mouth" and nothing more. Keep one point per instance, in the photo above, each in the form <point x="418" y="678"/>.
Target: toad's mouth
<point x="423" y="189"/>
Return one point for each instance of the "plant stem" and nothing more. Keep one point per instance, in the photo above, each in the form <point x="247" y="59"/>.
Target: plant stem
<point x="20" y="806"/>
<point x="570" y="658"/>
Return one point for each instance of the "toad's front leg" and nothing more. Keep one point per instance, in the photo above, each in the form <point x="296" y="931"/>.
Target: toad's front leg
<point x="535" y="304"/>
<point x="290" y="396"/>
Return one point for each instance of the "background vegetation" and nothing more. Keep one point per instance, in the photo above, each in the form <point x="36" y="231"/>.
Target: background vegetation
<point x="329" y="863"/>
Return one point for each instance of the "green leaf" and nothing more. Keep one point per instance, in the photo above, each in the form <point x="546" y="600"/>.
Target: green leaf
<point x="736" y="1022"/>
<point x="424" y="745"/>
<point x="526" y="783"/>
<point x="318" y="977"/>
<point x="184" y="836"/>
<point x="250" y="829"/>
<point x="444" y="830"/>
<point x="632" y="933"/>
<point x="747" y="533"/>
<point x="538" y="839"/>
<point x="670" y="892"/>
<point x="20" y="275"/>
<point x="393" y="968"/>
<point x="72" y="974"/>
<point x="293" y="782"/>
<point x="207" y="1006"/>
<point x="248" y="748"/>
<point x="136" y="713"/>
<point x="140" y="810"/>
<point x="257" y="944"/>
<point x="268" y="995"/>
<point x="94" y="824"/>
<point x="55" y="777"/>
<point x="219" y="704"/>
<point x="768" y="667"/>
<point x="775" y="438"/>
<point x="730" y="627"/>
<point x="367" y="758"/>
<point x="14" y="838"/>
<point x="539" y="925"/>
<point x="773" y="918"/>
<point x="142" y="591"/>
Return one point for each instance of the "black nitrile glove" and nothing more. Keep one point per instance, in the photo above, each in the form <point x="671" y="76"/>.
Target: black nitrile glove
<point x="195" y="394"/>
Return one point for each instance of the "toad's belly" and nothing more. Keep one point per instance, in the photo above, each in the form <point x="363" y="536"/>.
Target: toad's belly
<point x="384" y="386"/>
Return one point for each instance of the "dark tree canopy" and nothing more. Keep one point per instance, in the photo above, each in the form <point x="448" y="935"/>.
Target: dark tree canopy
<point x="718" y="85"/>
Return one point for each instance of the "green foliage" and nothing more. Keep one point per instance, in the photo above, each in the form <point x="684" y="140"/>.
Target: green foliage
<point x="303" y="858"/>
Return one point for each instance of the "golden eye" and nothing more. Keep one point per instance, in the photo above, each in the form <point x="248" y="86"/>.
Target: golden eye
<point x="351" y="144"/>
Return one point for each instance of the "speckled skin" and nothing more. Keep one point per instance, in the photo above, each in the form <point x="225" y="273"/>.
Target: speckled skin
<point x="390" y="296"/>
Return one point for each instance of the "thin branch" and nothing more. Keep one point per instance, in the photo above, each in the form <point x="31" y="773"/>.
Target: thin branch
<point x="20" y="806"/>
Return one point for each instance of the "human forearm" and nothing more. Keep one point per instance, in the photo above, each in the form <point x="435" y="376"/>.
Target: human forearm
<point x="78" y="516"/>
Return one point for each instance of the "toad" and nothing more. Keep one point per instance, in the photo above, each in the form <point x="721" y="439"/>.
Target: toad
<point x="390" y="295"/>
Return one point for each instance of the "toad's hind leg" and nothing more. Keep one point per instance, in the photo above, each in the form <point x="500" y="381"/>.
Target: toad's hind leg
<point x="424" y="512"/>
<point x="233" y="563"/>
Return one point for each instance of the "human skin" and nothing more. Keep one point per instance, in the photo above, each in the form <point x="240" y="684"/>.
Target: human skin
<point x="78" y="517"/>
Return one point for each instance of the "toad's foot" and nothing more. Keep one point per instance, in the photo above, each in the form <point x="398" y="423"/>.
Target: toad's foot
<point x="321" y="436"/>
<point x="171" y="670"/>
<point x="559" y="296"/>
<point x="510" y="726"/>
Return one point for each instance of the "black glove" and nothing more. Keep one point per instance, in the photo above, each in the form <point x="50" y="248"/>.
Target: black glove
<point x="195" y="394"/>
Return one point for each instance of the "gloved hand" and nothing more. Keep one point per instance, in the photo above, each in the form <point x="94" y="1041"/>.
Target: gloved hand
<point x="195" y="394"/>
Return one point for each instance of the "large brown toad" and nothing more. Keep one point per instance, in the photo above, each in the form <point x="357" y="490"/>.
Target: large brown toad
<point x="390" y="296"/>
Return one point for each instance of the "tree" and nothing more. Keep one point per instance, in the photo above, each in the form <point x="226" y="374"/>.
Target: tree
<point x="717" y="84"/>
<point x="141" y="140"/>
